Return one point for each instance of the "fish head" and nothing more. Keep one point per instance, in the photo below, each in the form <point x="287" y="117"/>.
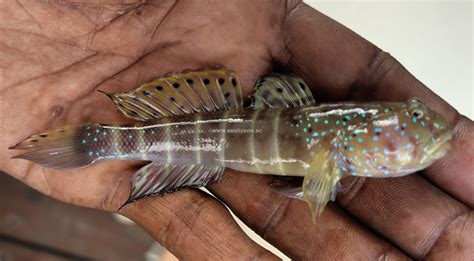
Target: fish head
<point x="428" y="131"/>
<point x="399" y="139"/>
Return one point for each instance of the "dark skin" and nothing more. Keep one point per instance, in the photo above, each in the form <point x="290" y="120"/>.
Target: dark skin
<point x="55" y="56"/>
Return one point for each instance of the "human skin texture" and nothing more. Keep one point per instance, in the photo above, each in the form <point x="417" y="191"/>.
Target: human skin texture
<point x="55" y="55"/>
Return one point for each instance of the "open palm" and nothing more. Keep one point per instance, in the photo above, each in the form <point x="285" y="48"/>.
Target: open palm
<point x="55" y="55"/>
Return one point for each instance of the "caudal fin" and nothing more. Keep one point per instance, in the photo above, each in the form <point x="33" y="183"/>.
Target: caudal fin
<point x="63" y="148"/>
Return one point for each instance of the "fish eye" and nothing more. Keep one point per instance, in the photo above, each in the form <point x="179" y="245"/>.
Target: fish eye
<point x="417" y="114"/>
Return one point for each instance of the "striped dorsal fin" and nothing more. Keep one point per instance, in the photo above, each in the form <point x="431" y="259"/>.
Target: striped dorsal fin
<point x="181" y="93"/>
<point x="281" y="91"/>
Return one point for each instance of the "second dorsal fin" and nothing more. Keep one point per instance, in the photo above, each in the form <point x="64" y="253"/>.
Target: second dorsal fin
<point x="181" y="93"/>
<point x="281" y="91"/>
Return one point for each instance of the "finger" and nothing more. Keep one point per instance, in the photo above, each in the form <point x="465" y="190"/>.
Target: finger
<point x="340" y="65"/>
<point x="194" y="225"/>
<point x="410" y="212"/>
<point x="287" y="223"/>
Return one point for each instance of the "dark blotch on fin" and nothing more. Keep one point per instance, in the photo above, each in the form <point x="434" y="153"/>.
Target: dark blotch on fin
<point x="147" y="93"/>
<point x="280" y="90"/>
<point x="234" y="82"/>
<point x="206" y="81"/>
<point x="176" y="85"/>
<point x="221" y="81"/>
<point x="159" y="88"/>
<point x="227" y="94"/>
<point x="43" y="135"/>
<point x="189" y="81"/>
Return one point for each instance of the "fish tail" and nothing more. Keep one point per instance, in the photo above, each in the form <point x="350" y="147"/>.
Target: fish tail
<point x="62" y="148"/>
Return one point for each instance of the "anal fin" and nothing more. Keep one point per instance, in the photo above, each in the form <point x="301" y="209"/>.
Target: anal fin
<point x="157" y="179"/>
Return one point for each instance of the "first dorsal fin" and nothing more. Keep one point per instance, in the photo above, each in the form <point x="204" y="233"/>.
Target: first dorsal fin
<point x="281" y="91"/>
<point x="182" y="93"/>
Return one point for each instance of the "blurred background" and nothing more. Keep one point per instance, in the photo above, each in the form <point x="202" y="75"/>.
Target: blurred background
<point x="432" y="39"/>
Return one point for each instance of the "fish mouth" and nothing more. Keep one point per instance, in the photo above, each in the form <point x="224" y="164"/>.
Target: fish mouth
<point x="442" y="145"/>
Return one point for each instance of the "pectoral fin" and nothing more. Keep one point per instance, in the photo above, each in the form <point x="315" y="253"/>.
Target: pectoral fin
<point x="320" y="183"/>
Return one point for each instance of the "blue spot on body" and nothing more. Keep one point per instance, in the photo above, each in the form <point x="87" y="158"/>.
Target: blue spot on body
<point x="352" y="167"/>
<point x="91" y="153"/>
<point x="95" y="139"/>
<point x="130" y="136"/>
<point x="350" y="137"/>
<point x="402" y="133"/>
<point x="89" y="134"/>
<point x="347" y="117"/>
<point x="375" y="138"/>
<point x="386" y="172"/>
<point x="360" y="140"/>
<point x="378" y="129"/>
<point x="376" y="149"/>
<point x="364" y="151"/>
<point x="386" y="151"/>
<point x="422" y="123"/>
<point x="404" y="125"/>
<point x="351" y="149"/>
<point x="396" y="128"/>
<point x="413" y="120"/>
<point x="84" y="141"/>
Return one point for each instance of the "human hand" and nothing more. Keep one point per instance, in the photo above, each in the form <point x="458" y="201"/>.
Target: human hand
<point x="52" y="67"/>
